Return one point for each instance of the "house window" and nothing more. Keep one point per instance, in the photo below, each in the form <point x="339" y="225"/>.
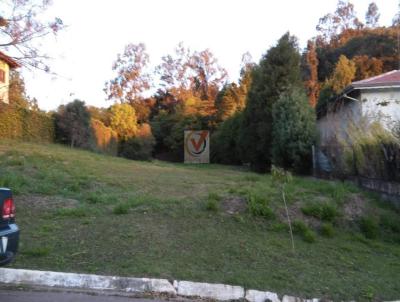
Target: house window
<point x="2" y="76"/>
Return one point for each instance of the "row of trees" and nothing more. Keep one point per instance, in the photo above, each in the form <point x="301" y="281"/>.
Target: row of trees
<point x="347" y="50"/>
<point x="267" y="117"/>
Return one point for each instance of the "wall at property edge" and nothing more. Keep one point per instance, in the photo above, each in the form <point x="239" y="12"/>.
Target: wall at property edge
<point x="24" y="124"/>
<point x="388" y="190"/>
<point x="382" y="104"/>
<point x="4" y="86"/>
<point x="336" y="124"/>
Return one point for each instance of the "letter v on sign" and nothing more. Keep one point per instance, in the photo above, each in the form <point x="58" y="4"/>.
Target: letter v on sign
<point x="201" y="140"/>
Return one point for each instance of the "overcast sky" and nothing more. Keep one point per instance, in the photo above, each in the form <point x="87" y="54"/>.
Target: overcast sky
<point x="98" y="30"/>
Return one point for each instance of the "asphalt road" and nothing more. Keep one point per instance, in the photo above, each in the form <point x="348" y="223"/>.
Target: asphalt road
<point x="43" y="296"/>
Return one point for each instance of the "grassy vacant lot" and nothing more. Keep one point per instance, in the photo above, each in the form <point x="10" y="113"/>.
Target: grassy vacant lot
<point x="85" y="212"/>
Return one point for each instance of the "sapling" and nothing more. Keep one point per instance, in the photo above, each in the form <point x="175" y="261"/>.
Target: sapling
<point x="281" y="178"/>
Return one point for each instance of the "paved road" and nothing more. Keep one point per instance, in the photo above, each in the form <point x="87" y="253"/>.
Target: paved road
<point x="43" y="296"/>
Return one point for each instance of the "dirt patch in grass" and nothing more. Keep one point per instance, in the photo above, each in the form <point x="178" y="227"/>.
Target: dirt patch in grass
<point x="354" y="208"/>
<point x="234" y="205"/>
<point x="47" y="202"/>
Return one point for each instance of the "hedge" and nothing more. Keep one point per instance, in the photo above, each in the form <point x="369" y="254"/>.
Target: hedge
<point x="25" y="124"/>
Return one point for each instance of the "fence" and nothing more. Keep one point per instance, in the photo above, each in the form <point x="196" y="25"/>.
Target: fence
<point x="375" y="167"/>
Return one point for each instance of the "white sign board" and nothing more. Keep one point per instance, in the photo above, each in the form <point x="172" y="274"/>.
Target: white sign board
<point x="197" y="147"/>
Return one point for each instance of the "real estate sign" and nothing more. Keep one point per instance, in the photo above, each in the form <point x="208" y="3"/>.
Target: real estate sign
<point x="197" y="147"/>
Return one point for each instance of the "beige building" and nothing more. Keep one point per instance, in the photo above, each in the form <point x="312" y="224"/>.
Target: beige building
<point x="6" y="64"/>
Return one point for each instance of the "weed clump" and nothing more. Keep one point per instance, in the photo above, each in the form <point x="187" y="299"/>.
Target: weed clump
<point x="369" y="227"/>
<point x="258" y="206"/>
<point x="72" y="212"/>
<point x="121" y="208"/>
<point x="212" y="202"/>
<point x="327" y="230"/>
<point x="322" y="211"/>
<point x="300" y="228"/>
<point x="36" y="252"/>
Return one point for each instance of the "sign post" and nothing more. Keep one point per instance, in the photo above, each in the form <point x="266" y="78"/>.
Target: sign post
<point x="197" y="147"/>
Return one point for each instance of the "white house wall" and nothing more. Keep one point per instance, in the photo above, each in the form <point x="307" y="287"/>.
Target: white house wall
<point x="4" y="86"/>
<point x="335" y="124"/>
<point x="382" y="105"/>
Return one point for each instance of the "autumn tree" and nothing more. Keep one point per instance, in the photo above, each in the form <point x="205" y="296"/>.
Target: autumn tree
<point x="311" y="81"/>
<point x="228" y="101"/>
<point x="232" y="97"/>
<point x="206" y="75"/>
<point x="191" y="75"/>
<point x="123" y="120"/>
<point x="343" y="75"/>
<point x="22" y="24"/>
<point x="173" y="72"/>
<point x="132" y="78"/>
<point x="278" y="69"/>
<point x="372" y="15"/>
<point x="17" y="93"/>
<point x="367" y="67"/>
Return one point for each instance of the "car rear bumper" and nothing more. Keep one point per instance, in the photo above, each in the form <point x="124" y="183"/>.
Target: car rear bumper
<point x="9" y="238"/>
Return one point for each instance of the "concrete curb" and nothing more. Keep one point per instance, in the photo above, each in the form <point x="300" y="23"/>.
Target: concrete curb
<point x="85" y="281"/>
<point x="220" y="292"/>
<point x="127" y="285"/>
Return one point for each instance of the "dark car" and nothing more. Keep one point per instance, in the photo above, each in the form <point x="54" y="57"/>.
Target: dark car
<point x="9" y="231"/>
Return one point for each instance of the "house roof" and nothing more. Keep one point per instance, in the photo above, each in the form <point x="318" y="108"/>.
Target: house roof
<point x="388" y="79"/>
<point x="10" y="61"/>
<point x="385" y="80"/>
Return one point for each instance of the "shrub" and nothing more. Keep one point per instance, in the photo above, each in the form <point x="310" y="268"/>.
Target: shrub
<point x="121" y="208"/>
<point x="369" y="227"/>
<point x="322" y="211"/>
<point x="139" y="147"/>
<point x="327" y="230"/>
<point x="258" y="206"/>
<point x="309" y="236"/>
<point x="212" y="202"/>
<point x="212" y="205"/>
<point x="376" y="150"/>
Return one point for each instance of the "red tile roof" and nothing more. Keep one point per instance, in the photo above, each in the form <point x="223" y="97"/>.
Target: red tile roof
<point x="391" y="78"/>
<point x="10" y="61"/>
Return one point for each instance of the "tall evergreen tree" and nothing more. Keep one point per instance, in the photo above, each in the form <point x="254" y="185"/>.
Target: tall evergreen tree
<point x="279" y="68"/>
<point x="294" y="131"/>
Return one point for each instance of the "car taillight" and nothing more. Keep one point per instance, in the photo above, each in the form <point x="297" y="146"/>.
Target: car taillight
<point x="8" y="209"/>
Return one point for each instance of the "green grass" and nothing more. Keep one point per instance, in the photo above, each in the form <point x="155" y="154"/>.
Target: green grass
<point x="68" y="201"/>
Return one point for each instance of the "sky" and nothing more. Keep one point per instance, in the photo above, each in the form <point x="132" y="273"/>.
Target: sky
<point x="97" y="30"/>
